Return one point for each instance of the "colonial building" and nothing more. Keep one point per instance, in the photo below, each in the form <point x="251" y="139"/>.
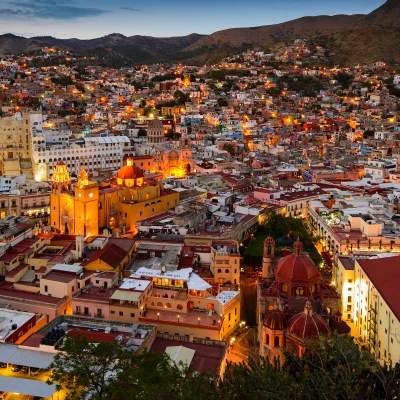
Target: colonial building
<point x="87" y="207"/>
<point x="15" y="145"/>
<point x="369" y="290"/>
<point x="294" y="306"/>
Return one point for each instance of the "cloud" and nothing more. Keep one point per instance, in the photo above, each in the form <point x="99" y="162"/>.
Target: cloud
<point x="130" y="9"/>
<point x="44" y="9"/>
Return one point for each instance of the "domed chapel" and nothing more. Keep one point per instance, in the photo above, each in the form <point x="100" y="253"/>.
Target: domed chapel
<point x="294" y="306"/>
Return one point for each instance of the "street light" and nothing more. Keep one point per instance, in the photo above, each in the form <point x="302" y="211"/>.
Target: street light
<point x="198" y="319"/>
<point x="158" y="315"/>
<point x="178" y="318"/>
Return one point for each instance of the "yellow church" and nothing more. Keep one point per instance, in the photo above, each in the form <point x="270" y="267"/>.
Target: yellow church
<point x="88" y="207"/>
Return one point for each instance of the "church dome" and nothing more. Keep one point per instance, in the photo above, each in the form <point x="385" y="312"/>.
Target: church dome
<point x="275" y="320"/>
<point x="129" y="171"/>
<point x="308" y="325"/>
<point x="297" y="269"/>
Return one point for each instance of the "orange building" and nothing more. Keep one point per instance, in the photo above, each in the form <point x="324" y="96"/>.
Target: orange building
<point x="86" y="208"/>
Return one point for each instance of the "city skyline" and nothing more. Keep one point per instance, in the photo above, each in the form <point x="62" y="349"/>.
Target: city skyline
<point x="90" y="19"/>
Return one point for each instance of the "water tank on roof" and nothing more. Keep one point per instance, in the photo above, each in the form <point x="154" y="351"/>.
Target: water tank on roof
<point x="14" y="326"/>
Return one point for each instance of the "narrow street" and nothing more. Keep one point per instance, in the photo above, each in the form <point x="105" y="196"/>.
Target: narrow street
<point x="244" y="344"/>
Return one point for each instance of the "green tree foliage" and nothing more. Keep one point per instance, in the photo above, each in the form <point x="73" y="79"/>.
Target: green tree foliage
<point x="222" y="102"/>
<point x="63" y="80"/>
<point x="142" y="132"/>
<point x="368" y="134"/>
<point x="180" y="97"/>
<point x="344" y="79"/>
<point x="229" y="148"/>
<point x="335" y="369"/>
<point x="95" y="371"/>
<point x="332" y="369"/>
<point x="306" y="85"/>
<point x="277" y="225"/>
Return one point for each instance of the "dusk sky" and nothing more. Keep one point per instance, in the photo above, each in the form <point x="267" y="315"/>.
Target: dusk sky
<point x="86" y="19"/>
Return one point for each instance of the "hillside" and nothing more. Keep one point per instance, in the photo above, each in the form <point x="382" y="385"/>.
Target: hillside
<point x="349" y="39"/>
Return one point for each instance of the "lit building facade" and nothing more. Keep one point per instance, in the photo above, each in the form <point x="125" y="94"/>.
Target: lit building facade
<point x="15" y="145"/>
<point x="369" y="290"/>
<point x="130" y="198"/>
<point x="97" y="153"/>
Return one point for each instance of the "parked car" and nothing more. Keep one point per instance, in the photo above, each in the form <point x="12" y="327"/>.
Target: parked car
<point x="3" y="365"/>
<point x="2" y="395"/>
<point x="16" y="368"/>
<point x="25" y="369"/>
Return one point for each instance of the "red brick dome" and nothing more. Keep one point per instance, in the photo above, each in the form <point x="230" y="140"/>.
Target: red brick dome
<point x="275" y="320"/>
<point x="296" y="271"/>
<point x="130" y="172"/>
<point x="308" y="325"/>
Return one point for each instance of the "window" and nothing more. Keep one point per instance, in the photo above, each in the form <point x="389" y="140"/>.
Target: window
<point x="121" y="313"/>
<point x="349" y="299"/>
<point x="132" y="315"/>
<point x="276" y="341"/>
<point x="46" y="289"/>
<point x="299" y="291"/>
<point x="267" y="339"/>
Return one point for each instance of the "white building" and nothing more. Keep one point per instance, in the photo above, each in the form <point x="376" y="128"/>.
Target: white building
<point x="97" y="153"/>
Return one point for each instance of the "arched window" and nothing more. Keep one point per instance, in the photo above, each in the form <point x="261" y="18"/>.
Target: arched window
<point x="276" y="341"/>
<point x="227" y="271"/>
<point x="299" y="291"/>
<point x="267" y="339"/>
<point x="168" y="305"/>
<point x="219" y="270"/>
<point x="179" y="307"/>
<point x="159" y="304"/>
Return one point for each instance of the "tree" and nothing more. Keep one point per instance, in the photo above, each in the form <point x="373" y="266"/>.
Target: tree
<point x="142" y="132"/>
<point x="368" y="133"/>
<point x="333" y="368"/>
<point x="94" y="371"/>
<point x="91" y="368"/>
<point x="180" y="97"/>
<point x="222" y="102"/>
<point x="229" y="148"/>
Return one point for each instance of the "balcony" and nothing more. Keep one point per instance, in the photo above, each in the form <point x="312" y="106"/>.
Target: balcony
<point x="81" y="313"/>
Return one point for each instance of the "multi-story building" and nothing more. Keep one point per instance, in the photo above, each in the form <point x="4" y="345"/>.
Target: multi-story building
<point x="15" y="145"/>
<point x="88" y="207"/>
<point x="96" y="153"/>
<point x="225" y="262"/>
<point x="376" y="311"/>
<point x="10" y="205"/>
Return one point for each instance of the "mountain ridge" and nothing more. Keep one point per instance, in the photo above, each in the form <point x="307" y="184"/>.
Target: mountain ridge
<point x="349" y="39"/>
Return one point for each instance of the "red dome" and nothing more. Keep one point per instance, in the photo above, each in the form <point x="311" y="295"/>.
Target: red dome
<point x="297" y="269"/>
<point x="129" y="172"/>
<point x="307" y="325"/>
<point x="60" y="162"/>
<point x="275" y="320"/>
